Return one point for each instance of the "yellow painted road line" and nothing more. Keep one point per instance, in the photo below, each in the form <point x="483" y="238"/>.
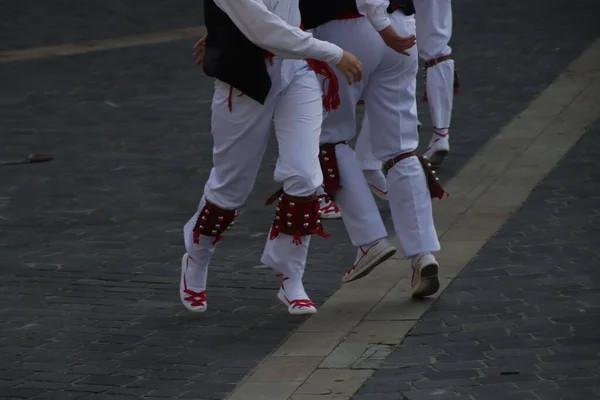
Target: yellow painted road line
<point x="90" y="46"/>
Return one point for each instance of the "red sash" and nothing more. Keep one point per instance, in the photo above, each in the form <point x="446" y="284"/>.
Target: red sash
<point x="331" y="96"/>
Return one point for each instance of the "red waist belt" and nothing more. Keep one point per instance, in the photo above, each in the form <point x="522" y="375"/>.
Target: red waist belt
<point x="331" y="96"/>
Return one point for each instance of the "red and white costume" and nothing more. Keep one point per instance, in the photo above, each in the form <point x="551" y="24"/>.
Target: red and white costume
<point x="388" y="90"/>
<point x="434" y="31"/>
<point x="240" y="127"/>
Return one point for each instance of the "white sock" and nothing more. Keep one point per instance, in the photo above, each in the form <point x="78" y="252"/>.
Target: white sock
<point x="197" y="265"/>
<point x="294" y="289"/>
<point x="416" y="259"/>
<point x="376" y="178"/>
<point x="195" y="276"/>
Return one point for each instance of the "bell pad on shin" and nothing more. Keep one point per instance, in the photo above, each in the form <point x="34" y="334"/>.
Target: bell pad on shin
<point x="297" y="216"/>
<point x="213" y="221"/>
<point x="433" y="182"/>
<point x="330" y="168"/>
<point x="456" y="85"/>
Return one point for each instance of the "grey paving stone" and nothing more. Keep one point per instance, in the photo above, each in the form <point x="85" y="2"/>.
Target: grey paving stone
<point x="542" y="344"/>
<point x="429" y="394"/>
<point x="389" y="385"/>
<point x="380" y="396"/>
<point x="55" y="395"/>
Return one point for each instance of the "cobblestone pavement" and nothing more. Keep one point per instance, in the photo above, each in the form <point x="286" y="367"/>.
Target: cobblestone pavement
<point x="34" y="23"/>
<point x="90" y="242"/>
<point x="522" y="319"/>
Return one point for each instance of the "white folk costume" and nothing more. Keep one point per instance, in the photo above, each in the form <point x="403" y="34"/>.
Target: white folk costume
<point x="388" y="90"/>
<point x="256" y="52"/>
<point x="434" y="30"/>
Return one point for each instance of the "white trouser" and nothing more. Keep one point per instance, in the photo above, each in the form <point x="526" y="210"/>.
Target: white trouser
<point x="388" y="89"/>
<point x="240" y="136"/>
<point x="434" y="30"/>
<point x="366" y="159"/>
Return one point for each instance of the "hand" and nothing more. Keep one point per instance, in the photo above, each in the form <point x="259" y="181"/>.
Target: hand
<point x="350" y="67"/>
<point x="199" y="49"/>
<point x="396" y="42"/>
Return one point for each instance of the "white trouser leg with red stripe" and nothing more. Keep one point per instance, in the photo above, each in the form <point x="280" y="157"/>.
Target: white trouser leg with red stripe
<point x="390" y="102"/>
<point x="241" y="129"/>
<point x="359" y="210"/>
<point x="434" y="30"/>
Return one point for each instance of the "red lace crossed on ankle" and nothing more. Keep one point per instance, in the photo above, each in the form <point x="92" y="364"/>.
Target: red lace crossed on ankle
<point x="437" y="132"/>
<point x="441" y="135"/>
<point x="364" y="253"/>
<point x="302" y="303"/>
<point x="198" y="299"/>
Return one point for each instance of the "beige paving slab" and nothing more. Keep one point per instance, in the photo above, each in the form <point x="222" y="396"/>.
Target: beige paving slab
<point x="339" y="316"/>
<point x="379" y="332"/>
<point x="343" y="382"/>
<point x="310" y="344"/>
<point x="286" y="369"/>
<point x="344" y="355"/>
<point x="264" y="391"/>
<point x="373" y="358"/>
<point x="472" y="228"/>
<point x="398" y="306"/>
<point x="318" y="397"/>
<point x="354" y="300"/>
<point x="67" y="49"/>
<point x="456" y="254"/>
<point x="371" y="315"/>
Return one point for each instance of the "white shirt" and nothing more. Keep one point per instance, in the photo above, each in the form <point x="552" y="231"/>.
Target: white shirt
<point x="375" y="11"/>
<point x="273" y="25"/>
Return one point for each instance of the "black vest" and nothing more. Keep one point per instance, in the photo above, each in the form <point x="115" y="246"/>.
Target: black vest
<point x="235" y="60"/>
<point x="319" y="12"/>
<point x="231" y="57"/>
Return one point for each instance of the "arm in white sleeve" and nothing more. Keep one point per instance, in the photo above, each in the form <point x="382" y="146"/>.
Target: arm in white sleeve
<point x="269" y="32"/>
<point x="376" y="12"/>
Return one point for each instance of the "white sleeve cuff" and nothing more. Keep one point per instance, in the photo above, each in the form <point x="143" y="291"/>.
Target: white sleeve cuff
<point x="380" y="22"/>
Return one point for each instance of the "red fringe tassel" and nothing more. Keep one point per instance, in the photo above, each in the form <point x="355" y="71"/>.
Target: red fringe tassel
<point x="331" y="95"/>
